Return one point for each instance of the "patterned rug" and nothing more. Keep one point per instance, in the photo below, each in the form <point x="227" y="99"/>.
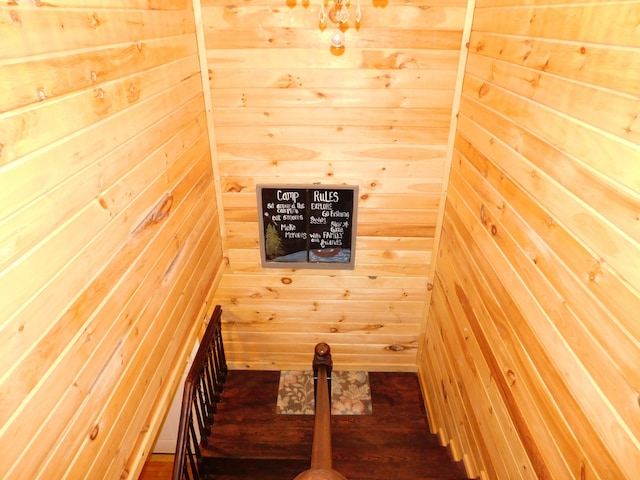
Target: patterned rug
<point x="350" y="393"/>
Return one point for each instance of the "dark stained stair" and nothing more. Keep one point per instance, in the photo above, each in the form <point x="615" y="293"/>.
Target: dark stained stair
<point x="249" y="440"/>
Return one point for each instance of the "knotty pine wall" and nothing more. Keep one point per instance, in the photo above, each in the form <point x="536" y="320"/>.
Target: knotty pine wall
<point x="289" y="110"/>
<point x="532" y="341"/>
<point x="111" y="242"/>
<point x="109" y="235"/>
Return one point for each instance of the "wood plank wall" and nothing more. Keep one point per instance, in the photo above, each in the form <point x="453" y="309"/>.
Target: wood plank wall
<point x="532" y="351"/>
<point x="109" y="235"/>
<point x="289" y="110"/>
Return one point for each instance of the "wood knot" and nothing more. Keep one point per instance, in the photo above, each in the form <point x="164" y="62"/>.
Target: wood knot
<point x="511" y="377"/>
<point x="234" y="188"/>
<point x="286" y="280"/>
<point x="94" y="433"/>
<point x="15" y="18"/>
<point x="94" y="22"/>
<point x="158" y="213"/>
<point x="395" y="348"/>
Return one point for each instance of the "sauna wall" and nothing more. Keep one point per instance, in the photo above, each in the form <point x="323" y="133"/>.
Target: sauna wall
<point x="109" y="236"/>
<point x="532" y="350"/>
<point x="290" y="110"/>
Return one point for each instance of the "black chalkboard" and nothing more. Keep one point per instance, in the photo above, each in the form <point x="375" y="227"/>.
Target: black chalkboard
<point x="307" y="226"/>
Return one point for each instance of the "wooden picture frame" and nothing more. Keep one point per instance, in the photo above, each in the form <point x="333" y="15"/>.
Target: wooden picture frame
<point x="307" y="226"/>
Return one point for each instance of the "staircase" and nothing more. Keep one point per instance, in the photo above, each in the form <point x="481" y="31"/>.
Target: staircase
<point x="250" y="440"/>
<point x="229" y="428"/>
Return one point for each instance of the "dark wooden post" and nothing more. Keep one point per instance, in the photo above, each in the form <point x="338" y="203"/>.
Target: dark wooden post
<point x="322" y="356"/>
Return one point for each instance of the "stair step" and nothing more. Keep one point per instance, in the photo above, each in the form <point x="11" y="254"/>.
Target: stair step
<point x="259" y="450"/>
<point x="255" y="468"/>
<point x="379" y="467"/>
<point x="250" y="440"/>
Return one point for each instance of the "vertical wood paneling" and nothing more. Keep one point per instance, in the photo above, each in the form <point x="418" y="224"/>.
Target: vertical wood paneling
<point x="287" y="109"/>
<point x="109" y="232"/>
<point x="537" y="276"/>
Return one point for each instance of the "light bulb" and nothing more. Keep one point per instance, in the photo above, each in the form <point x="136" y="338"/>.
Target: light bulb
<point x="337" y="39"/>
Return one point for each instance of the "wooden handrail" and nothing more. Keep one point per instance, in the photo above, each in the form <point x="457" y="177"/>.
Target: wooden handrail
<point x="202" y="389"/>
<point x="321" y="457"/>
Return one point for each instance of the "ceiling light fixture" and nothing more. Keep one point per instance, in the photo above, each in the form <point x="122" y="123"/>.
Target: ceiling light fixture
<point x="339" y="14"/>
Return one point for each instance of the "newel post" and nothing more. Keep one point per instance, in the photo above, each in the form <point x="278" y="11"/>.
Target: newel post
<point x="322" y="356"/>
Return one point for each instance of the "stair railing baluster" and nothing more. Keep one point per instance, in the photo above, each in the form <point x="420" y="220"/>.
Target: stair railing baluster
<point x="195" y="459"/>
<point x="217" y="376"/>
<point x="201" y="392"/>
<point x="205" y="404"/>
<point x="221" y="360"/>
<point x="209" y="383"/>
<point x="200" y="410"/>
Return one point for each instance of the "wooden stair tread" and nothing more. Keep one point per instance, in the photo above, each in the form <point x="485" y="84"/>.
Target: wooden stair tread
<point x="262" y="469"/>
<point x="249" y="439"/>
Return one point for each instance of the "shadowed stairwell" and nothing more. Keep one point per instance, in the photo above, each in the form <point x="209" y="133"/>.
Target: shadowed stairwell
<point x="249" y="440"/>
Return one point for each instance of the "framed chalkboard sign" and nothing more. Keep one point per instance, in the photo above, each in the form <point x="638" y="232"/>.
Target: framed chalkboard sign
<point x="307" y="226"/>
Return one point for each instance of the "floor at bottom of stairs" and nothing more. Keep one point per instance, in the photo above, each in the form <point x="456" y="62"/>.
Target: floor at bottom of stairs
<point x="250" y="440"/>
